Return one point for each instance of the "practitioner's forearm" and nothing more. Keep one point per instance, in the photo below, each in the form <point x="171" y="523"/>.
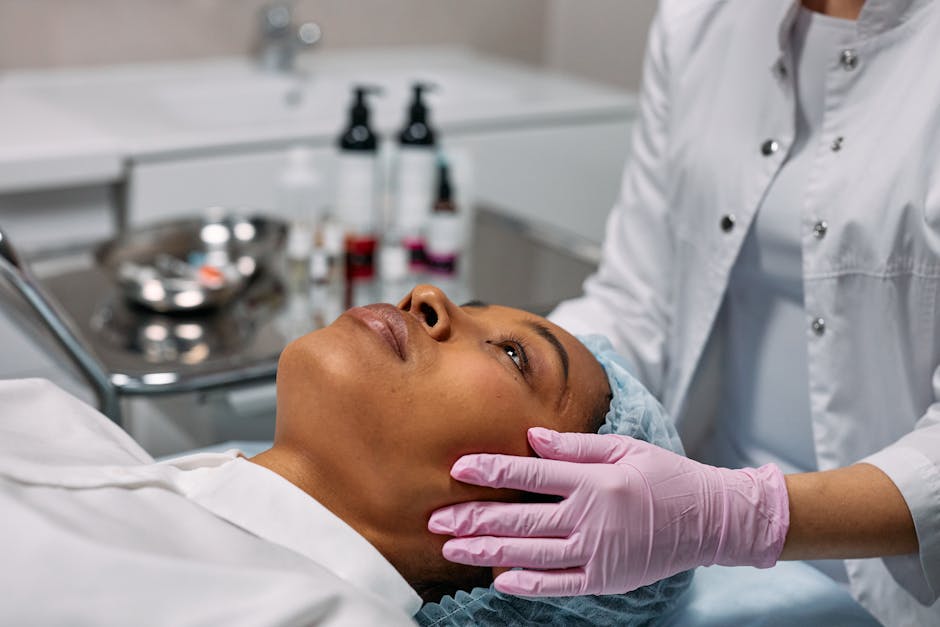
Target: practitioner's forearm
<point x="850" y="512"/>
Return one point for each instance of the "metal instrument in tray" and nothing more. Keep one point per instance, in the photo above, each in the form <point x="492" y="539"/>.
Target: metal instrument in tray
<point x="191" y="264"/>
<point x="211" y="346"/>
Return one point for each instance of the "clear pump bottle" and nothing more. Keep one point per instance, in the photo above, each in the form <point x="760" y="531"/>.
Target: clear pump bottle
<point x="328" y="272"/>
<point x="444" y="239"/>
<point x="299" y="200"/>
<point x="396" y="280"/>
<point x="415" y="181"/>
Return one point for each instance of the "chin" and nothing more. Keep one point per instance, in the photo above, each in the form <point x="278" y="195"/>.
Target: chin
<point x="334" y="375"/>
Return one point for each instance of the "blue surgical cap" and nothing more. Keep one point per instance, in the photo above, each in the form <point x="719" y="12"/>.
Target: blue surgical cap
<point x="633" y="412"/>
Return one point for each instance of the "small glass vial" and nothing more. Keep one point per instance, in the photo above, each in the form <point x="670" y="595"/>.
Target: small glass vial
<point x="299" y="245"/>
<point x="395" y="278"/>
<point x="444" y="234"/>
<point x="331" y="240"/>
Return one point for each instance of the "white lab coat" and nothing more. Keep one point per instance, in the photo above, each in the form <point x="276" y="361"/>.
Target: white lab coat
<point x="95" y="533"/>
<point x="716" y="122"/>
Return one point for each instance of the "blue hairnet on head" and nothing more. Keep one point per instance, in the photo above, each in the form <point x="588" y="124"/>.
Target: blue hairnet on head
<point x="633" y="412"/>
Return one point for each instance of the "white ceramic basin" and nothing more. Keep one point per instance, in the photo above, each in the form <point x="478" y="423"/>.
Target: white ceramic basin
<point x="253" y="98"/>
<point x="168" y="108"/>
<point x="239" y="101"/>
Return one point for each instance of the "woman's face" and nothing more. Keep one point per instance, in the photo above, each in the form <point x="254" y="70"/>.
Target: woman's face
<point x="387" y="398"/>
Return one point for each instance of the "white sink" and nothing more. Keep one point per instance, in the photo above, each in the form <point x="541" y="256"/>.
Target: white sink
<point x="238" y="101"/>
<point x="252" y="98"/>
<point x="217" y="104"/>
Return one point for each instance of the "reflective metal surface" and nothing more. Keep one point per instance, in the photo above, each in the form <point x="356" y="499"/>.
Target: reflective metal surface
<point x="191" y="264"/>
<point x="282" y="39"/>
<point x="146" y="352"/>
<point x="57" y="321"/>
<point x="192" y="338"/>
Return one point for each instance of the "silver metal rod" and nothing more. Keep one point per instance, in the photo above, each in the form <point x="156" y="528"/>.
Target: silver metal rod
<point x="17" y="272"/>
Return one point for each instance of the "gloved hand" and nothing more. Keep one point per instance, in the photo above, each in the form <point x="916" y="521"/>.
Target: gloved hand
<point x="632" y="514"/>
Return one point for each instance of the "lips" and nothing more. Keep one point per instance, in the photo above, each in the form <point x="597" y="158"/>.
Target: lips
<point x="387" y="322"/>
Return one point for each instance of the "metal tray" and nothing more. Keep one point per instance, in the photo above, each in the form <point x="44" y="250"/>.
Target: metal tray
<point x="192" y="264"/>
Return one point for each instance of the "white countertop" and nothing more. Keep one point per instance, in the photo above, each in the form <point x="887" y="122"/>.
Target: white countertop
<point x="83" y="126"/>
<point x="43" y="144"/>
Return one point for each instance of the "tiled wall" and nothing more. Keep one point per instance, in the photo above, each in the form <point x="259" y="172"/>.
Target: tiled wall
<point x="55" y="33"/>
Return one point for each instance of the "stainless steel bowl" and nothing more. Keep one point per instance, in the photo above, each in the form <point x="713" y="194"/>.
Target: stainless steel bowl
<point x="192" y="264"/>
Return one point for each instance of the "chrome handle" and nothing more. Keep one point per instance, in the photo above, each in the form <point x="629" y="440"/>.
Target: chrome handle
<point x="18" y="274"/>
<point x="309" y="34"/>
<point x="275" y="19"/>
<point x="280" y="41"/>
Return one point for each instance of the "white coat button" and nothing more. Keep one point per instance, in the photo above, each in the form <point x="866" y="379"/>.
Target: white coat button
<point x="820" y="228"/>
<point x="727" y="222"/>
<point x="848" y="59"/>
<point x="836" y="144"/>
<point x="769" y="147"/>
<point x="819" y="326"/>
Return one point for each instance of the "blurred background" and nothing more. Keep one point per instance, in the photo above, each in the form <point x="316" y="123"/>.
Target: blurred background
<point x="597" y="39"/>
<point x="187" y="185"/>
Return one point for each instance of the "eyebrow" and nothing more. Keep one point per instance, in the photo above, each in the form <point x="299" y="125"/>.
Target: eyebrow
<point x="552" y="339"/>
<point x="541" y="330"/>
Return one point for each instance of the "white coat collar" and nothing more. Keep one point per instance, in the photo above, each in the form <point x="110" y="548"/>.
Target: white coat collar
<point x="268" y="506"/>
<point x="877" y="16"/>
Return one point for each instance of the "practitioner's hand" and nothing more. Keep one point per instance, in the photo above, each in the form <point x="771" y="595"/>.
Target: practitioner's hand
<point x="632" y="514"/>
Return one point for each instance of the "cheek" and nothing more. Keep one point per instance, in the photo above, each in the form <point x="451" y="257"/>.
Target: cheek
<point x="479" y="408"/>
<point x="475" y="405"/>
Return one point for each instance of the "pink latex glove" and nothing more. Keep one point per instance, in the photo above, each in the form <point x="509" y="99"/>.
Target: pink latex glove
<point x="632" y="514"/>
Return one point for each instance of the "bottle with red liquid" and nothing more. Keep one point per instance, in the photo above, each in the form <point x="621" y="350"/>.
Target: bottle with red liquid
<point x="356" y="194"/>
<point x="444" y="233"/>
<point x="417" y="145"/>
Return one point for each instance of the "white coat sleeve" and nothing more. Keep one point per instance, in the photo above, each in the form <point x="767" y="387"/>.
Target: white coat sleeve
<point x="627" y="298"/>
<point x="913" y="464"/>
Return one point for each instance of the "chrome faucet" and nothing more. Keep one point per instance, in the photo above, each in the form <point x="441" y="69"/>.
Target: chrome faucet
<point x="281" y="39"/>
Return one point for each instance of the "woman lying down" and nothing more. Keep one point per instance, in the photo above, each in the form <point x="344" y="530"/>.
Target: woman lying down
<point x="329" y="526"/>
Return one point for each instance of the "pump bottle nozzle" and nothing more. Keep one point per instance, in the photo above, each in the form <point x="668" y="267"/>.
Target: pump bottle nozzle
<point x="444" y="191"/>
<point x="417" y="130"/>
<point x="359" y="135"/>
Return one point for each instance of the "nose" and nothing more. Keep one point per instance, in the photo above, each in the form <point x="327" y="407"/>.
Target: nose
<point x="432" y="308"/>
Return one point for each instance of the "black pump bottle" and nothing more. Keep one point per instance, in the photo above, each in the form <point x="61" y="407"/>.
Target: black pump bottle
<point x="417" y="130"/>
<point x="359" y="136"/>
<point x="356" y="190"/>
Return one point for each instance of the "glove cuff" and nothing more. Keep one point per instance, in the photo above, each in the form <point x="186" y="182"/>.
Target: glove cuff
<point x="755" y="517"/>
